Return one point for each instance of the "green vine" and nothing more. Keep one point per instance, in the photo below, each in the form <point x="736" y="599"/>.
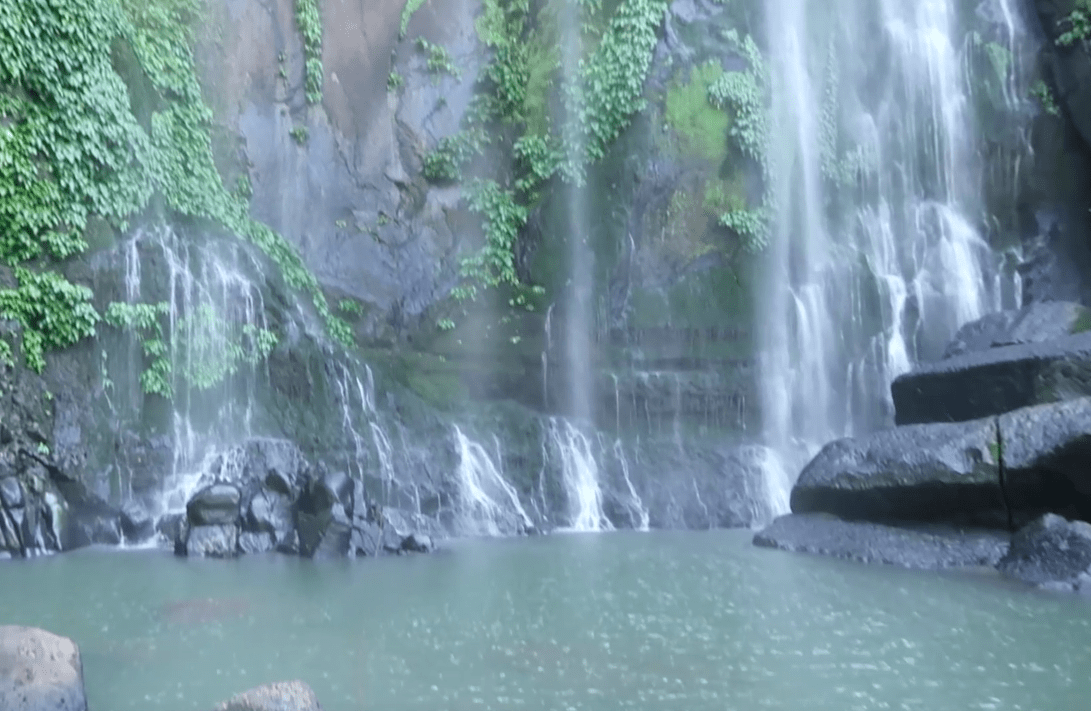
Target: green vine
<point x="309" y="20"/>
<point x="145" y="319"/>
<point x="746" y="93"/>
<point x="407" y="13"/>
<point x="1078" y="23"/>
<point x="509" y="111"/>
<point x="439" y="59"/>
<point x="100" y="108"/>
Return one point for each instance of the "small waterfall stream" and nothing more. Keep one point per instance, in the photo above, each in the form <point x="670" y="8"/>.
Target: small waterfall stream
<point x="879" y="247"/>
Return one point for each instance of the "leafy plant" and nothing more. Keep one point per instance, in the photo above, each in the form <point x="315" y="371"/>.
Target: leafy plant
<point x="100" y="108"/>
<point x="439" y="59"/>
<point x="309" y="20"/>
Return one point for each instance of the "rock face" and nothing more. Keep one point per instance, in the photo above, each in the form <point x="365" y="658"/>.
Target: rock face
<point x="1051" y="553"/>
<point x="281" y="696"/>
<point x="264" y="495"/>
<point x="39" y="671"/>
<point x="982" y="383"/>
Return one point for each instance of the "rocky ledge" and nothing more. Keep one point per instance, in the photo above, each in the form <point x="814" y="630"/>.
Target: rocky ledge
<point x="992" y="471"/>
<point x="40" y="671"/>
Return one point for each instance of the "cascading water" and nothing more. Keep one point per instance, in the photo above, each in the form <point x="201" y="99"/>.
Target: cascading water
<point x="580" y="477"/>
<point x="214" y="340"/>
<point x="878" y="251"/>
<point x="489" y="505"/>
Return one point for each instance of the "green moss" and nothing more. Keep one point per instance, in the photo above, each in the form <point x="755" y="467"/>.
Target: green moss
<point x="701" y="128"/>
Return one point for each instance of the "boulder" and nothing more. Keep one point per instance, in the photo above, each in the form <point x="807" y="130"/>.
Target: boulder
<point x="217" y="541"/>
<point x="270" y="512"/>
<point x="416" y="543"/>
<point x="1046" y="451"/>
<point x="932" y="548"/>
<point x="281" y="696"/>
<point x="1051" y="552"/>
<point x="136" y="523"/>
<point x="39" y="671"/>
<point x="947" y="471"/>
<point x="214" y="505"/>
<point x="987" y="382"/>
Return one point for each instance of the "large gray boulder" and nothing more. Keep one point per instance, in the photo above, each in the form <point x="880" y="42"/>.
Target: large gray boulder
<point x="214" y="505"/>
<point x="281" y="696"/>
<point x="1046" y="452"/>
<point x="1051" y="552"/>
<point x="39" y="671"/>
<point x="947" y="471"/>
<point x="993" y="381"/>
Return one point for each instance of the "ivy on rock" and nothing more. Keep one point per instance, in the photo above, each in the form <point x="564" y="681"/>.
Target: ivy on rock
<point x="72" y="148"/>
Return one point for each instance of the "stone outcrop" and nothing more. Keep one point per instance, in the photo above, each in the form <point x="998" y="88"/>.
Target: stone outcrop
<point x="280" y="696"/>
<point x="264" y="495"/>
<point x="990" y="382"/>
<point x="919" y="472"/>
<point x="1051" y="553"/>
<point x="905" y="495"/>
<point x="39" y="671"/>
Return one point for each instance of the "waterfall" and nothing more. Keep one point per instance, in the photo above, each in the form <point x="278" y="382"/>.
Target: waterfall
<point x="489" y="504"/>
<point x="878" y="250"/>
<point x="580" y="477"/>
<point x="206" y="346"/>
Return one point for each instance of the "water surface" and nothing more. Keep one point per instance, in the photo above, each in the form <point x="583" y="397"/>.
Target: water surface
<point x="671" y="621"/>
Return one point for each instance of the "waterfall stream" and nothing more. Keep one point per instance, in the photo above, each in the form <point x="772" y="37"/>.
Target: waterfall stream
<point x="879" y="246"/>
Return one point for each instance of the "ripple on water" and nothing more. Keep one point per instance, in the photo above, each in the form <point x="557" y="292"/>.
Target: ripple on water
<point x="663" y="621"/>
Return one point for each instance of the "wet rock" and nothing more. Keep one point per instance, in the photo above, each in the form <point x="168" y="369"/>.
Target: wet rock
<point x="416" y="543"/>
<point x="39" y="671"/>
<point x="944" y="471"/>
<point x="281" y="696"/>
<point x="1051" y="552"/>
<point x="171" y="527"/>
<point x="1035" y="323"/>
<point x="214" y="505"/>
<point x="250" y="542"/>
<point x="930" y="548"/>
<point x="11" y="492"/>
<point x="270" y="512"/>
<point x="977" y="384"/>
<point x="1046" y="450"/>
<point x="216" y="541"/>
<point x="136" y="522"/>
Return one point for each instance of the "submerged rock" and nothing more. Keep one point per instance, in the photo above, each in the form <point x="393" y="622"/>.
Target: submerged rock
<point x="280" y="696"/>
<point x="994" y="381"/>
<point x="39" y="671"/>
<point x="929" y="548"/>
<point x="1051" y="552"/>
